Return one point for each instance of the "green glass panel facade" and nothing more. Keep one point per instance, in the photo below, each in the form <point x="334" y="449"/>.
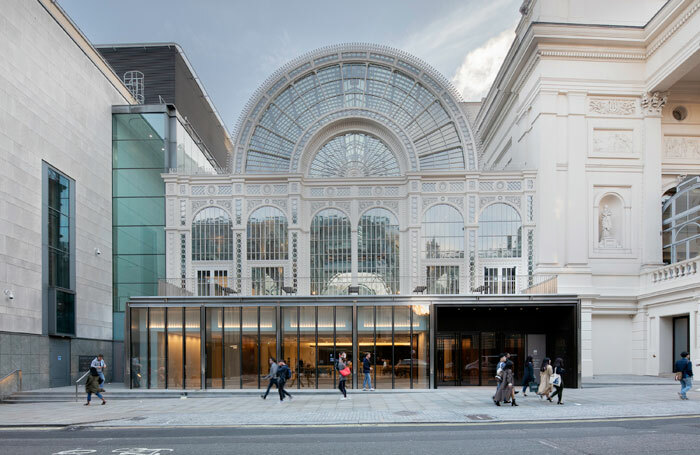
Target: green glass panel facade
<point x="139" y="143"/>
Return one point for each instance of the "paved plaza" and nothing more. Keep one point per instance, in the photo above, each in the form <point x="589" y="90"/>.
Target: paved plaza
<point x="446" y="405"/>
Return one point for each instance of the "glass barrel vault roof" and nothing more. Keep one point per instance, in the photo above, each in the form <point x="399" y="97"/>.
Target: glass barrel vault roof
<point x="354" y="155"/>
<point x="285" y="108"/>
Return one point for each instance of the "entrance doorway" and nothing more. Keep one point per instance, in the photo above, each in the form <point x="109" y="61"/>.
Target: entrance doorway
<point x="59" y="362"/>
<point x="681" y="337"/>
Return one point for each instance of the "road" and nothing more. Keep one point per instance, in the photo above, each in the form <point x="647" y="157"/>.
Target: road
<point x="618" y="436"/>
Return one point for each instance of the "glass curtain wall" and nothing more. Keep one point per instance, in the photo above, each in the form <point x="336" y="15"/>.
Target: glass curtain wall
<point x="378" y="253"/>
<point x="331" y="253"/>
<point x="139" y="348"/>
<point x="326" y="349"/>
<point x="232" y="348"/>
<point x="366" y="338"/>
<point x="307" y="347"/>
<point x="138" y="208"/>
<point x="250" y="349"/>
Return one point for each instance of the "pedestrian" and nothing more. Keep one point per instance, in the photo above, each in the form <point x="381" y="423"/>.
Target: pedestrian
<point x="558" y="380"/>
<point x="506" y="392"/>
<point x="528" y="374"/>
<point x="92" y="385"/>
<point x="272" y="377"/>
<point x="343" y="373"/>
<point x="99" y="364"/>
<point x="545" y="388"/>
<point x="367" y="370"/>
<point x="283" y="375"/>
<point x="499" y="367"/>
<point x="684" y="373"/>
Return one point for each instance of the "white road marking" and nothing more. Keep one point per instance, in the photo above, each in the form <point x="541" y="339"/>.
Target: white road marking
<point x="548" y="444"/>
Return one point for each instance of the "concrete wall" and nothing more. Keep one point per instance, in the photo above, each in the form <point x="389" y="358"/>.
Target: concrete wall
<point x="612" y="344"/>
<point x="56" y="107"/>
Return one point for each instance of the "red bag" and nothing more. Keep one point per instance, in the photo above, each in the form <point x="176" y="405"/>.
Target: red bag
<point x="345" y="371"/>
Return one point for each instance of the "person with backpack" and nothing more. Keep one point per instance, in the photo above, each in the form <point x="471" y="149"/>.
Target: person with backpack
<point x="684" y="373"/>
<point x="92" y="385"/>
<point x="272" y="377"/>
<point x="343" y="374"/>
<point x="283" y="375"/>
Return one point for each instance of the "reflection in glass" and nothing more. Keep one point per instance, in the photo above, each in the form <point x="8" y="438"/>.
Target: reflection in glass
<point x="489" y="358"/>
<point x="378" y="252"/>
<point x="267" y="280"/>
<point x="307" y="346"/>
<point x="193" y="353"/>
<point x="681" y="222"/>
<point x="343" y="339"/>
<point x="250" y="350"/>
<point x="289" y="348"/>
<point x="470" y="359"/>
<point x="354" y="155"/>
<point x="157" y="340"/>
<point x="214" y="348"/>
<point x="443" y="233"/>
<point x="267" y="235"/>
<point x="211" y="235"/>
<point x="139" y="348"/>
<point x="175" y="348"/>
<point x="268" y="338"/>
<point x="232" y="348"/>
<point x="402" y="347"/>
<point x="442" y="279"/>
<point x="500" y="232"/>
<point x="420" y="346"/>
<point x="365" y="338"/>
<point x="326" y="349"/>
<point x="385" y="354"/>
<point x="330" y="252"/>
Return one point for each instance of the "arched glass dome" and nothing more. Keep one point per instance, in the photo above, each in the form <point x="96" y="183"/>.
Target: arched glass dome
<point x="354" y="155"/>
<point x="390" y="87"/>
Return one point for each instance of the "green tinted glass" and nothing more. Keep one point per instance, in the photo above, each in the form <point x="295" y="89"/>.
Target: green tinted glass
<point x="138" y="154"/>
<point x="139" y="240"/>
<point x="137" y="182"/>
<point x="139" y="268"/>
<point x="139" y="211"/>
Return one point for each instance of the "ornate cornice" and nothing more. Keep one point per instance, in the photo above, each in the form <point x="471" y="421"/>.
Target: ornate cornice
<point x="672" y="29"/>
<point x="593" y="55"/>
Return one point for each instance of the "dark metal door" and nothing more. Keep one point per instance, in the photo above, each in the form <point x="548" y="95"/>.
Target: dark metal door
<point x="59" y="362"/>
<point x="447" y="360"/>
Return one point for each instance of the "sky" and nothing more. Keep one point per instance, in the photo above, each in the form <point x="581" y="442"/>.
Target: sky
<point x="235" y="45"/>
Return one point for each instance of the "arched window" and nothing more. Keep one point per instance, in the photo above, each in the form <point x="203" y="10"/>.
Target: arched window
<point x="330" y="252"/>
<point x="681" y="222"/>
<point x="211" y="235"/>
<point x="500" y="232"/>
<point x="443" y="233"/>
<point x="267" y="235"/>
<point x="378" y="252"/>
<point x="354" y="155"/>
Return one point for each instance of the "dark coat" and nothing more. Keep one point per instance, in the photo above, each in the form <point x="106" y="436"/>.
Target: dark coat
<point x="684" y="366"/>
<point x="528" y="374"/>
<point x="506" y="389"/>
<point x="92" y="384"/>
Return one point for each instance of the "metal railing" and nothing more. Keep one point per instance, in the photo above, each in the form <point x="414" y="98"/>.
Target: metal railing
<point x="10" y="383"/>
<point x="364" y="284"/>
<point x="78" y="381"/>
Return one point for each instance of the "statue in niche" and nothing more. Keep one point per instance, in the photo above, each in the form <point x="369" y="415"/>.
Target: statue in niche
<point x="606" y="226"/>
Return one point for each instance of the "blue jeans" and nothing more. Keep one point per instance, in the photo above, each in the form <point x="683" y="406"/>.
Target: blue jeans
<point x="102" y="377"/>
<point x="367" y="384"/>
<point x="686" y="384"/>
<point x="99" y="395"/>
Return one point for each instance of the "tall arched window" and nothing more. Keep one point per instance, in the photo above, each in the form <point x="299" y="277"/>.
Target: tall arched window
<point x="681" y="222"/>
<point x="354" y="155"/>
<point x="267" y="235"/>
<point x="443" y="233"/>
<point x="500" y="232"/>
<point x="211" y="235"/>
<point x="330" y="252"/>
<point x="378" y="252"/>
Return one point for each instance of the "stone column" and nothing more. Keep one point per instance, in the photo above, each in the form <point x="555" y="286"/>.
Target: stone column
<point x="586" y="338"/>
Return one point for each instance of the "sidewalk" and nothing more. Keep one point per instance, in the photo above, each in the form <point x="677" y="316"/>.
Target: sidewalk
<point x="453" y="405"/>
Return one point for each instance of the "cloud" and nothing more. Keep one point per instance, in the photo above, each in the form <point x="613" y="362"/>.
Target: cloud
<point x="475" y="75"/>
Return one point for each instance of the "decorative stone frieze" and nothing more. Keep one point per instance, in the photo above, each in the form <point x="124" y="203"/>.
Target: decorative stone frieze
<point x="652" y="103"/>
<point x="612" y="106"/>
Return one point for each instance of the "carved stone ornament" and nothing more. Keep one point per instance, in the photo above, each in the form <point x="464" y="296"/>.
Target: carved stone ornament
<point x="682" y="147"/>
<point x="652" y="103"/>
<point x="612" y="106"/>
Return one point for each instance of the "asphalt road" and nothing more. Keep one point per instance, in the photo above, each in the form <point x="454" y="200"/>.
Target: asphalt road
<point x="616" y="436"/>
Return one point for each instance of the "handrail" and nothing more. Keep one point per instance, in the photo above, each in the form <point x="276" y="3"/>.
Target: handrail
<point x="76" y="384"/>
<point x="17" y="373"/>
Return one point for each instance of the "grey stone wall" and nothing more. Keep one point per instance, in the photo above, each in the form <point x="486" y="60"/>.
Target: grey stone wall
<point x="80" y="347"/>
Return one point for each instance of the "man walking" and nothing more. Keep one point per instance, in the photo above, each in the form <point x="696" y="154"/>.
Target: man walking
<point x="272" y="377"/>
<point x="98" y="363"/>
<point x="684" y="373"/>
<point x="283" y="374"/>
<point x="367" y="370"/>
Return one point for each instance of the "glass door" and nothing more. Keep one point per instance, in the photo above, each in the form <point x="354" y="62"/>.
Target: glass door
<point x="447" y="359"/>
<point x="469" y="359"/>
<point x="489" y="358"/>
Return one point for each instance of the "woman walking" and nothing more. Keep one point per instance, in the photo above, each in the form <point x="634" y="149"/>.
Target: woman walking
<point x="559" y="388"/>
<point x="528" y="374"/>
<point x="343" y="373"/>
<point x="92" y="385"/>
<point x="546" y="371"/>
<point x="506" y="391"/>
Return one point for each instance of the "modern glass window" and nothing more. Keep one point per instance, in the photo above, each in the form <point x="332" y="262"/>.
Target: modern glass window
<point x="306" y="369"/>
<point x="158" y="348"/>
<point x="268" y="338"/>
<point x="250" y="348"/>
<point x="326" y="348"/>
<point x="384" y="324"/>
<point x="211" y="235"/>
<point x="267" y="280"/>
<point x="176" y="349"/>
<point x="442" y="279"/>
<point x="330" y="253"/>
<point x="354" y="155"/>
<point x="420" y="346"/>
<point x="267" y="235"/>
<point x="378" y="253"/>
<point x="213" y="282"/>
<point x="681" y="222"/>
<point x="500" y="232"/>
<point x="139" y="348"/>
<point x="59" y="229"/>
<point x="193" y="349"/>
<point x="443" y="233"/>
<point x="402" y="347"/>
<point x="214" y="347"/>
<point x="232" y="348"/>
<point x="289" y="349"/>
<point x="330" y="88"/>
